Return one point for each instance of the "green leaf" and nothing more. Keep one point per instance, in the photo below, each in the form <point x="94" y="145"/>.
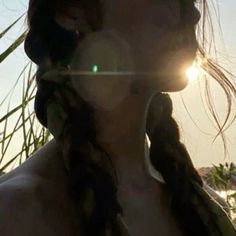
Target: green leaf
<point x="13" y="46"/>
<point x="10" y="26"/>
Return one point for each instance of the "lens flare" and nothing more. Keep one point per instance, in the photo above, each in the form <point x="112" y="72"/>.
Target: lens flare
<point x="193" y="72"/>
<point x="95" y="68"/>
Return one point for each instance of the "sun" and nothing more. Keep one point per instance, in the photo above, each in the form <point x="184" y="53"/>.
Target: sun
<point x="193" y="72"/>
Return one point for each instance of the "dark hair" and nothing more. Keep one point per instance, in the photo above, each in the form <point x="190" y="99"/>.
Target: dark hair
<point x="51" y="46"/>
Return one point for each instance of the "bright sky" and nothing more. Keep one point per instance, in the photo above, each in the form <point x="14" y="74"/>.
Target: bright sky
<point x="198" y="139"/>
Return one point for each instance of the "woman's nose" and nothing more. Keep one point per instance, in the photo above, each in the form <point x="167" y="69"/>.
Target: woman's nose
<point x="190" y="15"/>
<point x="196" y="16"/>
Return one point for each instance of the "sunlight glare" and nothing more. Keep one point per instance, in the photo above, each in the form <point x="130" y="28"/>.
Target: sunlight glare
<point x="193" y="72"/>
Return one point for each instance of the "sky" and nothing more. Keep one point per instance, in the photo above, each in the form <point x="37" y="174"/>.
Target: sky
<point x="197" y="130"/>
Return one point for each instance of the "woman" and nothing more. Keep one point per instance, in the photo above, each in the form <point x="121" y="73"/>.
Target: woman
<point x="102" y="66"/>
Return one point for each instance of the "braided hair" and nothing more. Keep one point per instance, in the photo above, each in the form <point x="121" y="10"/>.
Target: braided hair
<point x="195" y="211"/>
<point x="71" y="121"/>
<point x="170" y="157"/>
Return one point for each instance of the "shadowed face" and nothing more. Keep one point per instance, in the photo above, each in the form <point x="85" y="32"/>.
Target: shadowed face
<point x="161" y="34"/>
<point x="155" y="38"/>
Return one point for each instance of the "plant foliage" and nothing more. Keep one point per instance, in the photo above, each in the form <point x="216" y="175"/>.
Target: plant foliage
<point x="19" y="127"/>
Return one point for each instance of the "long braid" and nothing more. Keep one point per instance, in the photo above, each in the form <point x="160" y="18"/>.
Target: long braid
<point x="94" y="187"/>
<point x="196" y="212"/>
<point x="70" y="119"/>
<point x="170" y="157"/>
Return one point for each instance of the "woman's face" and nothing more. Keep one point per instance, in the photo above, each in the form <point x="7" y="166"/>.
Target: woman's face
<point x="155" y="38"/>
<point x="161" y="34"/>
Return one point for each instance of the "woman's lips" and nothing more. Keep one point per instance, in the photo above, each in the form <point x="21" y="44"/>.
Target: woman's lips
<point x="176" y="62"/>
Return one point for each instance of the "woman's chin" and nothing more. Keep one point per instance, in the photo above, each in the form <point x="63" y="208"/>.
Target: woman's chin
<point x="170" y="83"/>
<point x="178" y="84"/>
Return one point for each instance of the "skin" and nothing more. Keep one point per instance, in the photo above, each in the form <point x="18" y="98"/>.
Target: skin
<point x="145" y="36"/>
<point x="123" y="136"/>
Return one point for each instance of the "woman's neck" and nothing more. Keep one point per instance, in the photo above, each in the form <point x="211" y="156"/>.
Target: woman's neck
<point x="121" y="132"/>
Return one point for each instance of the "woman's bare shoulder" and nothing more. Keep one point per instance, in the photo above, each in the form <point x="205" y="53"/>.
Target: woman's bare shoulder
<point x="22" y="182"/>
<point x="31" y="196"/>
<point x="35" y="176"/>
<point x="17" y="203"/>
<point x="43" y="164"/>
